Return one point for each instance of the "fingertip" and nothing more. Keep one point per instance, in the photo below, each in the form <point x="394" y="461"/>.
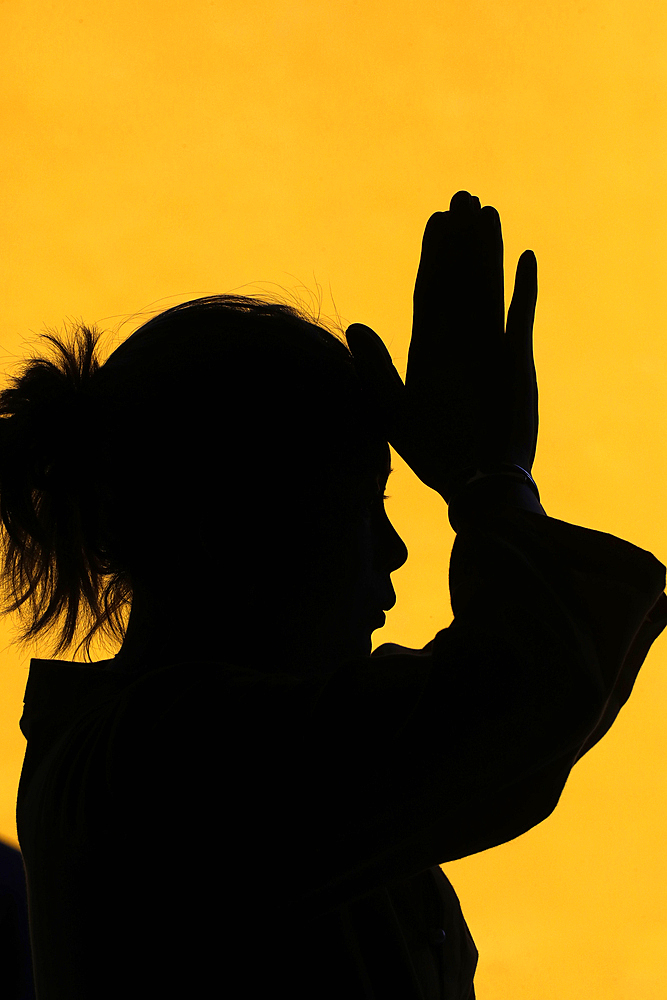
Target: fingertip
<point x="436" y="219"/>
<point x="462" y="199"/>
<point x="526" y="275"/>
<point x="434" y="229"/>
<point x="355" y="335"/>
<point x="362" y="337"/>
<point x="492" y="214"/>
<point x="528" y="265"/>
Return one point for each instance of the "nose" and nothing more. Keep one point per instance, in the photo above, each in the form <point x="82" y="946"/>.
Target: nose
<point x="394" y="549"/>
<point x="401" y="556"/>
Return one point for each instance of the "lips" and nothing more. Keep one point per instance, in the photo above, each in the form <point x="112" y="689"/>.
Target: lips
<point x="377" y="618"/>
<point x="390" y="599"/>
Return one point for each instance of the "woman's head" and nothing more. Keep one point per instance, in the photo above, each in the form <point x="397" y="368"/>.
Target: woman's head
<point x="225" y="439"/>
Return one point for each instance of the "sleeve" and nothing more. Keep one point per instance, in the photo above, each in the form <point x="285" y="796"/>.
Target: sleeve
<point x="467" y="743"/>
<point x="406" y="759"/>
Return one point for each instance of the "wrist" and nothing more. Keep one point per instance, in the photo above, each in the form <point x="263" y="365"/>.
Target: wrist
<point x="483" y="493"/>
<point x="472" y="474"/>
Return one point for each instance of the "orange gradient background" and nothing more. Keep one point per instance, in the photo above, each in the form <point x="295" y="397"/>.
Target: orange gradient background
<point x="158" y="151"/>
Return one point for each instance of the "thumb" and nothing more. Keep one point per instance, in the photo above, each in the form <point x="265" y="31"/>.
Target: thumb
<point x="372" y="360"/>
<point x="521" y="313"/>
<point x="379" y="378"/>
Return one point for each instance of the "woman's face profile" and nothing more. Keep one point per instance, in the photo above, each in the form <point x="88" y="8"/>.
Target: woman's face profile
<point x="266" y="599"/>
<point x="361" y="590"/>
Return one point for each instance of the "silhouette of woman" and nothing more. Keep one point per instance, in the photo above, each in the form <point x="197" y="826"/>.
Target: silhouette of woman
<point x="243" y="800"/>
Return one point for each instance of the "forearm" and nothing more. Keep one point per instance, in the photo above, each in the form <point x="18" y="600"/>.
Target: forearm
<point x="607" y="591"/>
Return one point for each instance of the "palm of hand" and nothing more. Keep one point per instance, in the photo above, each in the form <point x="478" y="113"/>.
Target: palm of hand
<point x="470" y="393"/>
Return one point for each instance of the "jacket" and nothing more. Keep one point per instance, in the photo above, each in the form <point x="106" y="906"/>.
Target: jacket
<point x="207" y="829"/>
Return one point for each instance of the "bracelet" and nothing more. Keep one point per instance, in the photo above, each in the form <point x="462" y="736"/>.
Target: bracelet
<point x="475" y="475"/>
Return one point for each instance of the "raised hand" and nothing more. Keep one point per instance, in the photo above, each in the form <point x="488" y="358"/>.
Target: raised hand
<point x="470" y="393"/>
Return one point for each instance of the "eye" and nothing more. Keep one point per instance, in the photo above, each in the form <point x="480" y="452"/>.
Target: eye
<point x="379" y="499"/>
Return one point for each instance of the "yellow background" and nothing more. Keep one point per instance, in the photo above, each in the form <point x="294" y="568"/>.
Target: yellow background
<point x="159" y="150"/>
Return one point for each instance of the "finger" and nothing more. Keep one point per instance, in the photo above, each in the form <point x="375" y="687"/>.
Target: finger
<point x="464" y="202"/>
<point x="519" y="340"/>
<point x="448" y="237"/>
<point x="432" y="240"/>
<point x="372" y="359"/>
<point x="458" y="299"/>
<point x="492" y="280"/>
<point x="379" y="378"/>
<point x="432" y="271"/>
<point x="374" y="366"/>
<point x="521" y="313"/>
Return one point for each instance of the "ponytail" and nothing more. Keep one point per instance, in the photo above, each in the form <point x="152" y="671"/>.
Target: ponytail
<point x="53" y="552"/>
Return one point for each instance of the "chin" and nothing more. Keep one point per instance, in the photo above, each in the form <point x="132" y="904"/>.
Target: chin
<point x="361" y="646"/>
